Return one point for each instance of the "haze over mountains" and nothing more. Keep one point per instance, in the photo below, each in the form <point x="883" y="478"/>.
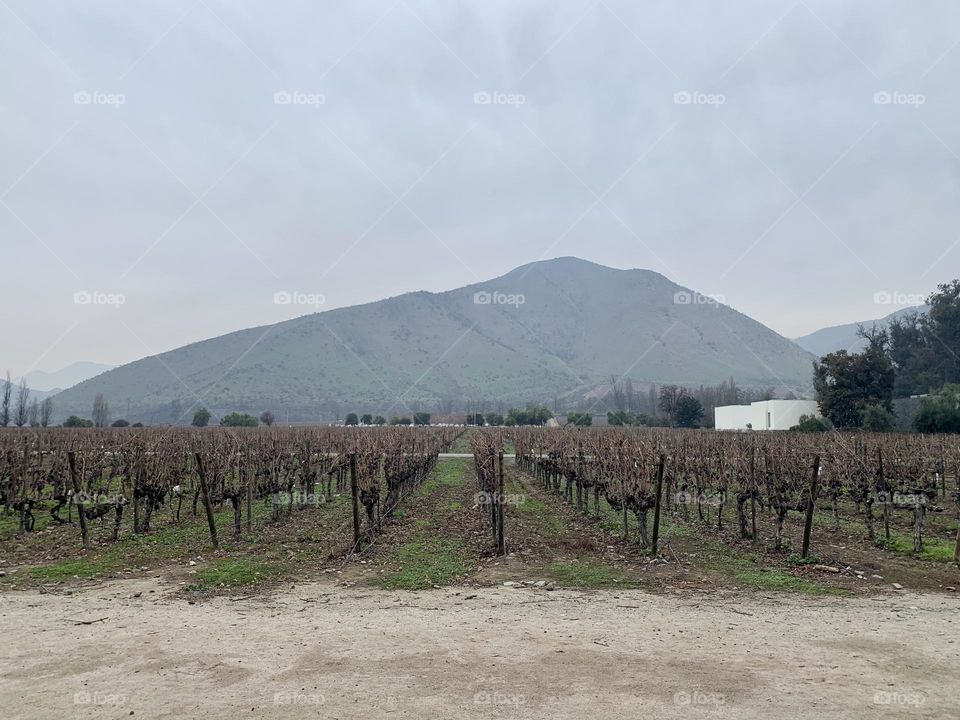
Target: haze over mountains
<point x="65" y="377"/>
<point x="550" y="329"/>
<point x="845" y="337"/>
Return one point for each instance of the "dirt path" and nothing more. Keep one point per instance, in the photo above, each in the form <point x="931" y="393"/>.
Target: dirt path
<point x="318" y="650"/>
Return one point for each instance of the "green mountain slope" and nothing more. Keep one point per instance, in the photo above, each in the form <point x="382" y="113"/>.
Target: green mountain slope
<point x="578" y="325"/>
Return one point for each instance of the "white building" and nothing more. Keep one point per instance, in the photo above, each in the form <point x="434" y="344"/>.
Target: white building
<point x="764" y="415"/>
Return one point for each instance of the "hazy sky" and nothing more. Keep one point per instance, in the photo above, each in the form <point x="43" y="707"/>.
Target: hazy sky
<point x="193" y="158"/>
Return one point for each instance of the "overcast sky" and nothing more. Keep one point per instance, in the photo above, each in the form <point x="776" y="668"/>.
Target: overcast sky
<point x="193" y="158"/>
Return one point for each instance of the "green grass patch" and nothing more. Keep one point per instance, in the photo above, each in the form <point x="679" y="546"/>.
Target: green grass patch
<point x="588" y="573"/>
<point x="449" y="472"/>
<point x="748" y="571"/>
<point x="425" y="562"/>
<point x="233" y="573"/>
<point x="934" y="549"/>
<point x="66" y="569"/>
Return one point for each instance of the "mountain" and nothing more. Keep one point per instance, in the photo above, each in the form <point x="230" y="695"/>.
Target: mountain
<point x="549" y="329"/>
<point x="65" y="377"/>
<point x="844" y="337"/>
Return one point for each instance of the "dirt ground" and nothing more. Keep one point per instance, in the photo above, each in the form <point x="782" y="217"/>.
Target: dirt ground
<point x="135" y="647"/>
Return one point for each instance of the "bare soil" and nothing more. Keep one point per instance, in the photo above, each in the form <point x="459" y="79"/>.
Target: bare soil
<point x="136" y="647"/>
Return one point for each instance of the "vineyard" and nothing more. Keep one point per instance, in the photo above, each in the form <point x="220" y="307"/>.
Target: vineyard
<point x="71" y="492"/>
<point x="287" y="563"/>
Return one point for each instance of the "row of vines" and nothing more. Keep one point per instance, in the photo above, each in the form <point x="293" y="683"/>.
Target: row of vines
<point x="129" y="474"/>
<point x="752" y="476"/>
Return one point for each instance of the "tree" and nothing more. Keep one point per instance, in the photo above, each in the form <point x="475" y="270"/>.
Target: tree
<point x="5" y="406"/>
<point x="925" y="349"/>
<point x="33" y="414"/>
<point x="238" y="420"/>
<point x="399" y="420"/>
<point x="77" y="422"/>
<point x="266" y="417"/>
<point x="120" y="422"/>
<point x="379" y="420"/>
<point x="351" y="419"/>
<point x="366" y="419"/>
<point x="669" y="397"/>
<point x="495" y="419"/>
<point x="940" y="413"/>
<point x="101" y="411"/>
<point x="537" y="415"/>
<point x="201" y="417"/>
<point x="688" y="412"/>
<point x="22" y="409"/>
<point x="421" y="418"/>
<point x="877" y="418"/>
<point x="810" y="423"/>
<point x="46" y="412"/>
<point x="579" y="419"/>
<point x="847" y="383"/>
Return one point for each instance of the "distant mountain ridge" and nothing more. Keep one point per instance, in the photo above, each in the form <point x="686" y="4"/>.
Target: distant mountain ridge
<point x="550" y="329"/>
<point x="845" y="337"/>
<point x="65" y="377"/>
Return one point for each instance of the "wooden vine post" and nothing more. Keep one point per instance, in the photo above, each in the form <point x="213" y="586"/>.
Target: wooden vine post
<point x="498" y="500"/>
<point x="355" y="493"/>
<point x="656" y="506"/>
<point x="811" y="504"/>
<point x="205" y="493"/>
<point x="77" y="494"/>
<point x="249" y="473"/>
